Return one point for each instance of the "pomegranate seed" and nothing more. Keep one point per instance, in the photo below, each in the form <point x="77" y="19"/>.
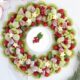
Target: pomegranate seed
<point x="7" y="30"/>
<point x="20" y="43"/>
<point x="36" y="63"/>
<point x="38" y="21"/>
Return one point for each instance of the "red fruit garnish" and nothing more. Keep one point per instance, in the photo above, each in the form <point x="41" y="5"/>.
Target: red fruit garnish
<point x="24" y="18"/>
<point x="47" y="74"/>
<point x="67" y="59"/>
<point x="57" y="34"/>
<point x="7" y="30"/>
<point x="65" y="41"/>
<point x="36" y="63"/>
<point x="56" y="47"/>
<point x="45" y="23"/>
<point x="38" y="21"/>
<point x="52" y="27"/>
<point x="22" y="50"/>
<point x="36" y="39"/>
<point x="20" y="43"/>
<point x="33" y="24"/>
<point x="5" y="43"/>
<point x="23" y="68"/>
<point x="36" y="73"/>
<point x="29" y="56"/>
<point x="28" y="66"/>
<point x="21" y="35"/>
<point x="42" y="9"/>
<point x="61" y="11"/>
<point x="72" y="47"/>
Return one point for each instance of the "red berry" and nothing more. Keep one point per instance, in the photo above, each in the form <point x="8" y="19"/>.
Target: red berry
<point x="56" y="47"/>
<point x="24" y="19"/>
<point x="57" y="34"/>
<point x="23" y="68"/>
<point x="38" y="21"/>
<point x="20" y="43"/>
<point x="67" y="59"/>
<point x="65" y="41"/>
<point x="61" y="11"/>
<point x="72" y="47"/>
<point x="36" y="39"/>
<point x="29" y="56"/>
<point x="5" y="43"/>
<point x="36" y="73"/>
<point x="52" y="27"/>
<point x="47" y="74"/>
<point x="33" y="24"/>
<point x="36" y="63"/>
<point x="45" y="23"/>
<point x="22" y="50"/>
<point x="21" y="35"/>
<point x="7" y="30"/>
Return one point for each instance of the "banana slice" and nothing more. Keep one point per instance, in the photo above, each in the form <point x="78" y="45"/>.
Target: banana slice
<point x="16" y="37"/>
<point x="28" y="14"/>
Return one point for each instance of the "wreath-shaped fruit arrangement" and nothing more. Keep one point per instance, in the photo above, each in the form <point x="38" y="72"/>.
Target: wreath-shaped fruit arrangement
<point x="19" y="24"/>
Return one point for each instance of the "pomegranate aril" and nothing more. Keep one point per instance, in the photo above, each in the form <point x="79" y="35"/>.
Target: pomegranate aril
<point x="33" y="24"/>
<point x="24" y="18"/>
<point x="56" y="47"/>
<point x="47" y="74"/>
<point x="72" y="47"/>
<point x="23" y="68"/>
<point x="5" y="43"/>
<point x="57" y="34"/>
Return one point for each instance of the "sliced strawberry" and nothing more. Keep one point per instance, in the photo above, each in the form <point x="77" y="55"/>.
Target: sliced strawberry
<point x="72" y="47"/>
<point x="36" y="39"/>
<point x="24" y="18"/>
<point x="5" y="43"/>
<point x="23" y="68"/>
<point x="57" y="34"/>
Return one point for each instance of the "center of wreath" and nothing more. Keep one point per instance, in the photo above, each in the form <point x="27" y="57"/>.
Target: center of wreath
<point x="39" y="40"/>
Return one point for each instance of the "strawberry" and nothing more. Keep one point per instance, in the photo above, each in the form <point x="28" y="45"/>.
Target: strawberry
<point x="36" y="39"/>
<point x="36" y="73"/>
<point x="65" y="41"/>
<point x="25" y="19"/>
<point x="42" y="9"/>
<point x="45" y="23"/>
<point x="56" y="47"/>
<point x="47" y="74"/>
<point x="52" y="27"/>
<point x="72" y="47"/>
<point x="67" y="59"/>
<point x="20" y="43"/>
<point x="22" y="50"/>
<point x="61" y="11"/>
<point x="5" y="43"/>
<point x="29" y="56"/>
<point x="33" y="24"/>
<point x="57" y="34"/>
<point x="38" y="21"/>
<point x="23" y="68"/>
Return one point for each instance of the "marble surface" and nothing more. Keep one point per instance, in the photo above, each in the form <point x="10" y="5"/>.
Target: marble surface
<point x="7" y="71"/>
